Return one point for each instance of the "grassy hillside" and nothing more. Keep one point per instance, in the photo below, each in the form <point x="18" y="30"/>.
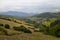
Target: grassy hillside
<point x="12" y="24"/>
<point x="13" y="28"/>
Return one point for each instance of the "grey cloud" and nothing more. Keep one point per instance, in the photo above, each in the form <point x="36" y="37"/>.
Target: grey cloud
<point x="34" y="6"/>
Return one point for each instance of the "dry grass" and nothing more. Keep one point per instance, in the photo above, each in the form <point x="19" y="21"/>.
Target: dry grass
<point x="25" y="36"/>
<point x="11" y="23"/>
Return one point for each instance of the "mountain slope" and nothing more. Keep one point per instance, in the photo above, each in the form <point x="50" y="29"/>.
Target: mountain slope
<point x="48" y="15"/>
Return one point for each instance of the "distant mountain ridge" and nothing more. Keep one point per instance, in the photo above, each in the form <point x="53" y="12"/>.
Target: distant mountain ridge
<point x="14" y="13"/>
<point x="41" y="15"/>
<point x="48" y="15"/>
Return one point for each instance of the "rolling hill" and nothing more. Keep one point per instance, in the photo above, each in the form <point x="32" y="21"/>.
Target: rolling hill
<point x="12" y="22"/>
<point x="45" y="16"/>
<point x="48" y="15"/>
<point x="15" y="28"/>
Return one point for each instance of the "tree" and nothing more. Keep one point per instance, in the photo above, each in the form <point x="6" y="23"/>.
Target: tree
<point x="22" y="28"/>
<point x="7" y="26"/>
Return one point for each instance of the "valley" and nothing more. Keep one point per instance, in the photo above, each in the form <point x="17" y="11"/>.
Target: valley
<point x="37" y="27"/>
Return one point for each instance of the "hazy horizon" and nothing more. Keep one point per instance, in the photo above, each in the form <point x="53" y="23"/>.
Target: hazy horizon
<point x="30" y="6"/>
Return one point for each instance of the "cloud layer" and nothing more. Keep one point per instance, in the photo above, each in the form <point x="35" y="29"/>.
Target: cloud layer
<point x="30" y="5"/>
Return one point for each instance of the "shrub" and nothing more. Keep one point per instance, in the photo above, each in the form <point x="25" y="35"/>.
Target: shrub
<point x="57" y="33"/>
<point x="54" y="23"/>
<point x="3" y="31"/>
<point x="1" y="25"/>
<point x="43" y="28"/>
<point x="22" y="28"/>
<point x="54" y="29"/>
<point x="7" y="26"/>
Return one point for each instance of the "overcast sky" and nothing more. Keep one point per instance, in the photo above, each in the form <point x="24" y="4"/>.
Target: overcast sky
<point x="30" y="6"/>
